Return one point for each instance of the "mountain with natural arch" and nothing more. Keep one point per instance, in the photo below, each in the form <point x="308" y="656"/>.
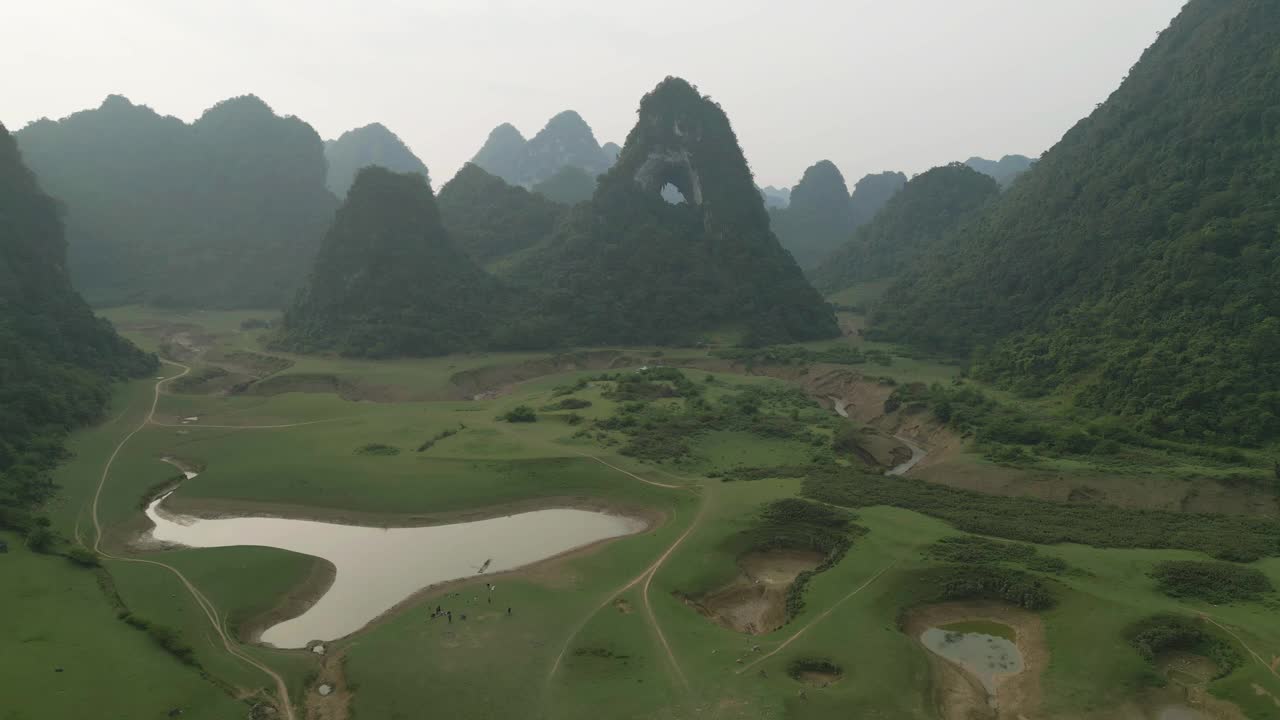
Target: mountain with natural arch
<point x="629" y="267"/>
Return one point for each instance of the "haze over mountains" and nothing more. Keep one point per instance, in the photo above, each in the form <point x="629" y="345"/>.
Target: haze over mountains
<point x="565" y="141"/>
<point x="372" y="144"/>
<point x="225" y="212"/>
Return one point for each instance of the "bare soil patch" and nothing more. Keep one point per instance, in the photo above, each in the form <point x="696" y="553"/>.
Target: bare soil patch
<point x="959" y="695"/>
<point x="755" y="602"/>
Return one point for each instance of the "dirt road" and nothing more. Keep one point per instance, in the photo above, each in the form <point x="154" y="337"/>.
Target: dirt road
<point x="206" y="606"/>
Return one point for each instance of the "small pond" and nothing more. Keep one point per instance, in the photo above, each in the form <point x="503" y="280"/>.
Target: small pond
<point x="984" y="648"/>
<point x="377" y="568"/>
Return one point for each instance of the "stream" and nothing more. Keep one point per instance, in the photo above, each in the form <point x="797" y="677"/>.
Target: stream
<point x="917" y="452"/>
<point x="377" y="568"/>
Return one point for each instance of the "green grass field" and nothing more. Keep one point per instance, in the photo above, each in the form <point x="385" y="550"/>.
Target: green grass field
<point x="592" y="634"/>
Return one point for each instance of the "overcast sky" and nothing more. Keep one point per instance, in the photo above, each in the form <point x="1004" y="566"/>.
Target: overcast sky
<point x="869" y="84"/>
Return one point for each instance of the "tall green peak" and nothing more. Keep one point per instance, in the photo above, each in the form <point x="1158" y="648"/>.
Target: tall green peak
<point x="818" y="217"/>
<point x="57" y="360"/>
<point x="387" y="280"/>
<point x="643" y="270"/>
<point x="1135" y="268"/>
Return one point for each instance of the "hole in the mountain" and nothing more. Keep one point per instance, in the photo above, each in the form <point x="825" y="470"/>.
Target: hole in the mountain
<point x="672" y="194"/>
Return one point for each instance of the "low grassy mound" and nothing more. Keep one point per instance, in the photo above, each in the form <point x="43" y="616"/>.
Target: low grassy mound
<point x="1166" y="633"/>
<point x="1215" y="582"/>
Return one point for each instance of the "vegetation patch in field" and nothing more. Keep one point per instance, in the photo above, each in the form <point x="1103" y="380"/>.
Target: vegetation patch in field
<point x="377" y="449"/>
<point x="431" y="441"/>
<point x="1215" y="582"/>
<point x="970" y="549"/>
<point x="800" y="355"/>
<point x="1167" y="632"/>
<point x="1227" y="537"/>
<point x="519" y="414"/>
<point x="985" y="582"/>
<point x="569" y="403"/>
<point x="814" y="671"/>
<point x="665" y="431"/>
<point x="795" y="524"/>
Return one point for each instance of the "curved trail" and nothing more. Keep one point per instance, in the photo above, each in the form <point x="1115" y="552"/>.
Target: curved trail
<point x="206" y="606"/>
<point x="817" y="619"/>
<point x="917" y="454"/>
<point x="646" y="577"/>
<point x="1270" y="668"/>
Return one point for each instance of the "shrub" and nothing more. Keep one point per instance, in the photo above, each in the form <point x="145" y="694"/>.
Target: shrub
<point x="519" y="414"/>
<point x="1215" y="582"/>
<point x="377" y="449"/>
<point x="83" y="557"/>
<point x="1167" y="632"/>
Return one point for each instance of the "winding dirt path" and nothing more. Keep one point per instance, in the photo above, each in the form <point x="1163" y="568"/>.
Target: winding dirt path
<point x="206" y="606"/>
<point x="917" y="454"/>
<point x="1269" y="666"/>
<point x="822" y="616"/>
<point x="646" y="577"/>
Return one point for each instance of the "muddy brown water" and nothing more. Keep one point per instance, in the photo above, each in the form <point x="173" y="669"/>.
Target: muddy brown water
<point x="986" y="657"/>
<point x="377" y="568"/>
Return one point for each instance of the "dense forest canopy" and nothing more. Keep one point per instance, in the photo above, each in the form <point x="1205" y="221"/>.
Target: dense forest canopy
<point x="909" y="227"/>
<point x="1137" y="263"/>
<point x="489" y="220"/>
<point x="369" y="145"/>
<point x="818" y="218"/>
<point x="387" y="280"/>
<point x="566" y="140"/>
<point x="1005" y="170"/>
<point x="57" y="359"/>
<point x="629" y="267"/>
<point x="224" y="212"/>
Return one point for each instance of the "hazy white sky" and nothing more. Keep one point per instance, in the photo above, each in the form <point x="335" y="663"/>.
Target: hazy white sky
<point x="869" y="84"/>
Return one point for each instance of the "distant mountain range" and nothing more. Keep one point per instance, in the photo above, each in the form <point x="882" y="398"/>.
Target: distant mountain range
<point x="565" y="141"/>
<point x="1005" y="170"/>
<point x="224" y="212"/>
<point x="369" y="145"/>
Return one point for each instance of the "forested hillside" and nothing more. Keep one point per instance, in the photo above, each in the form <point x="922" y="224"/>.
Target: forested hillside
<point x="488" y="219"/>
<point x="56" y="359"/>
<point x="628" y="267"/>
<point x="910" y="226"/>
<point x="1137" y="264"/>
<point x="387" y="280"/>
<point x="369" y="145"/>
<point x="225" y="212"/>
<point x="818" y="218"/>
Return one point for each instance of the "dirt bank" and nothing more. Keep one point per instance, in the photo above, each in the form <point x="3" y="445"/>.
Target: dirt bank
<point x="755" y="602"/>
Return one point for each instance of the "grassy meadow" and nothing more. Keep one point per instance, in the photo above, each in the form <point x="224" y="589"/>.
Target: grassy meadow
<point x="608" y="627"/>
